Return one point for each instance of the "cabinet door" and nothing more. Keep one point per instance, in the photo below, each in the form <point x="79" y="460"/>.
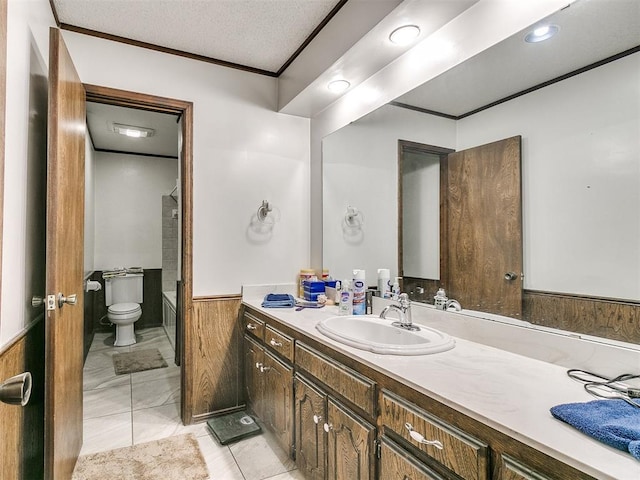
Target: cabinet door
<point x="253" y="384"/>
<point x="278" y="400"/>
<point x="396" y="464"/>
<point x="310" y="416"/>
<point x="349" y="445"/>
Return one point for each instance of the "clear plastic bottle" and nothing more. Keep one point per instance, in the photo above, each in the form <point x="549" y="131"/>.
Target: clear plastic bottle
<point x="440" y="299"/>
<point x="359" y="288"/>
<point x="395" y="289"/>
<point x="346" y="299"/>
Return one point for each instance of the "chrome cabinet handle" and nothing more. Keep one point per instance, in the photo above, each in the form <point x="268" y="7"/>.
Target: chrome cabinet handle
<point x="264" y="369"/>
<point x="274" y="343"/>
<point x="317" y="419"/>
<point x="327" y="427"/>
<point x="70" y="300"/>
<point x="251" y="326"/>
<point x="258" y="365"/>
<point x="420" y="438"/>
<point x="510" y="276"/>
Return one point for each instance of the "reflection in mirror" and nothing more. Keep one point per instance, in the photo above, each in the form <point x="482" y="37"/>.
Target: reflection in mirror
<point x="421" y="173"/>
<point x="578" y="116"/>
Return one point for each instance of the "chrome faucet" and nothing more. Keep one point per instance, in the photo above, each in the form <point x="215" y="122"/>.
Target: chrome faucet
<point x="404" y="312"/>
<point x="454" y="304"/>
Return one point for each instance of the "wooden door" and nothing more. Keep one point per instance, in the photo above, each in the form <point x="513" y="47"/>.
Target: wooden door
<point x="65" y="258"/>
<point x="310" y="416"/>
<point x="484" y="227"/>
<point x="253" y="358"/>
<point x="278" y="400"/>
<point x="349" y="445"/>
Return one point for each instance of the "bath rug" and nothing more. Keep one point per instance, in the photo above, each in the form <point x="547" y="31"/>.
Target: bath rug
<point x="138" y="361"/>
<point x="171" y="458"/>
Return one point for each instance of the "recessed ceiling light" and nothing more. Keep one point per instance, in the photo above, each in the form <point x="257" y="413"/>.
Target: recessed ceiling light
<point x="338" y="85"/>
<point x="132" y="131"/>
<point x="541" y="33"/>
<point x="404" y="35"/>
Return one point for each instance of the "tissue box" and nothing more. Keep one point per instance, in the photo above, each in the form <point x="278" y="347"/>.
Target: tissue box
<point x="312" y="290"/>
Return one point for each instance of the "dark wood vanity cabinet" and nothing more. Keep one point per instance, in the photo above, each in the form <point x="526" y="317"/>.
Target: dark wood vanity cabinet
<point x="269" y="391"/>
<point x="332" y="442"/>
<point x="352" y="422"/>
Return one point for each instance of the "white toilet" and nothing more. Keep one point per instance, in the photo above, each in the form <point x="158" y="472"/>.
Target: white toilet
<point x="123" y="296"/>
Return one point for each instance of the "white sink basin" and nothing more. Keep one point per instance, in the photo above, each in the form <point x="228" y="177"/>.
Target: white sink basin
<point x="377" y="335"/>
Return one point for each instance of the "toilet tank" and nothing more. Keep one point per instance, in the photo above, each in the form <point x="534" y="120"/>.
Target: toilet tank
<point x="125" y="289"/>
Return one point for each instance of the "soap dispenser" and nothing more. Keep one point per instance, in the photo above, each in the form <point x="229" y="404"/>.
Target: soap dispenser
<point x="346" y="299"/>
<point x="440" y="300"/>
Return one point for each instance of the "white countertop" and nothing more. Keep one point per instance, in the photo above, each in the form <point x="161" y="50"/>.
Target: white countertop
<point x="511" y="393"/>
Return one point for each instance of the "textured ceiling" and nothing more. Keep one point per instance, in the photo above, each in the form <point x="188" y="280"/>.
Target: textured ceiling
<point x="259" y="34"/>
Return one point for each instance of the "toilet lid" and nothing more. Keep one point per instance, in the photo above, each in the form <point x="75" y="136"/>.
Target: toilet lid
<point x="122" y="308"/>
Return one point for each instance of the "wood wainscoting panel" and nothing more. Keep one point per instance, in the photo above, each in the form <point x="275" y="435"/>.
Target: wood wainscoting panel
<point x="22" y="439"/>
<point x="212" y="358"/>
<point x="601" y="317"/>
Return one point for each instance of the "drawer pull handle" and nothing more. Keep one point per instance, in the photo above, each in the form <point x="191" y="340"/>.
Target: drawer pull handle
<point x="251" y="326"/>
<point x="420" y="439"/>
<point x="317" y="419"/>
<point x="264" y="369"/>
<point x="327" y="427"/>
<point x="274" y="343"/>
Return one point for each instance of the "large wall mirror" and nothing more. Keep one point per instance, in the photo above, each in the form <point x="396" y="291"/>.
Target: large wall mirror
<point x="574" y="102"/>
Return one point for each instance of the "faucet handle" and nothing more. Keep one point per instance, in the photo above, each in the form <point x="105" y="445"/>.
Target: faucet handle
<point x="404" y="300"/>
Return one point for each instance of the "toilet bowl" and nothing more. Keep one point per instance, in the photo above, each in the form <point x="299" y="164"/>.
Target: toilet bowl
<point x="123" y="294"/>
<point x="123" y="316"/>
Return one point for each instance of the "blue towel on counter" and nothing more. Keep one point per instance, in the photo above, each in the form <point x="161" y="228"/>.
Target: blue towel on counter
<point x="613" y="422"/>
<point x="278" y="300"/>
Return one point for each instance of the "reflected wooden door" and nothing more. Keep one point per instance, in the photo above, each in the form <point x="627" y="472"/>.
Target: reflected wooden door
<point x="65" y="258"/>
<point x="484" y="227"/>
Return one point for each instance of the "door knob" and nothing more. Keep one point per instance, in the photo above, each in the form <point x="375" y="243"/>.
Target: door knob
<point x="70" y="300"/>
<point x="510" y="276"/>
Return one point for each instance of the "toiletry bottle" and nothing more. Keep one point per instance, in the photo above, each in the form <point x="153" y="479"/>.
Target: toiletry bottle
<point x="384" y="287"/>
<point x="395" y="289"/>
<point x="440" y="300"/>
<point x="346" y="299"/>
<point x="359" y="292"/>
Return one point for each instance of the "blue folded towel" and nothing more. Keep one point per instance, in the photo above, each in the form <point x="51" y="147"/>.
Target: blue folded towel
<point x="278" y="300"/>
<point x="613" y="422"/>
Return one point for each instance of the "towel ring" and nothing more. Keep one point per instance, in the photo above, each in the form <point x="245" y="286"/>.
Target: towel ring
<point x="263" y="211"/>
<point x="353" y="217"/>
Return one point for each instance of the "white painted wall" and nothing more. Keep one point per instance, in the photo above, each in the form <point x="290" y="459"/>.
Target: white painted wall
<point x="244" y="153"/>
<point x="128" y="209"/>
<point x="360" y="169"/>
<point x="421" y="215"/>
<point x="89" y="206"/>
<point x="28" y="24"/>
<point x="581" y="179"/>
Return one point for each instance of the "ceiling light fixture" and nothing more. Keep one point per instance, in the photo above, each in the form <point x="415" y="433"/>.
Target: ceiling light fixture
<point x="404" y="35"/>
<point x="541" y="33"/>
<point x="338" y="86"/>
<point x="132" y="131"/>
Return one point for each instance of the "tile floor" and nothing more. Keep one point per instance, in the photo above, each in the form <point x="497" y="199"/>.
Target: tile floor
<point x="124" y="410"/>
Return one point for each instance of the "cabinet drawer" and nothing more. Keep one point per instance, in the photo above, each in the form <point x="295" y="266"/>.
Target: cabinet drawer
<point x="279" y="342"/>
<point x="253" y="325"/>
<point x="352" y="386"/>
<point x="396" y="464"/>
<point x="461" y="453"/>
<point x="512" y="469"/>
